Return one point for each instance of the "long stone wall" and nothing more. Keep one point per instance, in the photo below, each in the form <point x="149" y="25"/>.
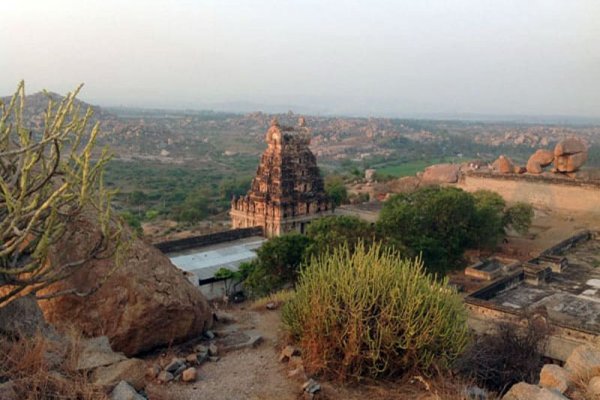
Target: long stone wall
<point x="205" y="240"/>
<point x="562" y="194"/>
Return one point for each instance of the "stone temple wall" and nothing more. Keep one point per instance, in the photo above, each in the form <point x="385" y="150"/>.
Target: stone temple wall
<point x="559" y="194"/>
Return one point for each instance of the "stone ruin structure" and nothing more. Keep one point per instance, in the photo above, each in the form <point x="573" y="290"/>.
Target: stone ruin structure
<point x="287" y="192"/>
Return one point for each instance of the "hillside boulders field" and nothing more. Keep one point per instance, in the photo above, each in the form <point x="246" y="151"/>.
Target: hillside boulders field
<point x="146" y="302"/>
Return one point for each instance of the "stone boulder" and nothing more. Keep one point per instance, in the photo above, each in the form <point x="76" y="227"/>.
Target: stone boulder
<point x="146" y="302"/>
<point x="406" y="184"/>
<point x="526" y="391"/>
<point x="441" y="173"/>
<point x="570" y="155"/>
<point x="23" y="318"/>
<point x="583" y="360"/>
<point x="538" y="160"/>
<point x="555" y="378"/>
<point x="124" y="391"/>
<point x="131" y="370"/>
<point x="503" y="165"/>
<point x="96" y="352"/>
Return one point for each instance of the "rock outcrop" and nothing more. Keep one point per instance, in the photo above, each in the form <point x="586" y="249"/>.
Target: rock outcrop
<point x="570" y="155"/>
<point x="441" y="173"/>
<point x="146" y="302"/>
<point x="504" y="165"/>
<point x="579" y="379"/>
<point x="538" y="160"/>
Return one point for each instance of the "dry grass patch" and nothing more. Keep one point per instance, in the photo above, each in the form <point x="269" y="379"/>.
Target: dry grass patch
<point x="277" y="298"/>
<point x="42" y="369"/>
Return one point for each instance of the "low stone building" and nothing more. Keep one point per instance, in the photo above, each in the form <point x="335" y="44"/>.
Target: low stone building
<point x="287" y="192"/>
<point x="563" y="282"/>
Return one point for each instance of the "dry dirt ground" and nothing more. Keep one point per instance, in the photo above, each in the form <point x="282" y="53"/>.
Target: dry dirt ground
<point x="257" y="374"/>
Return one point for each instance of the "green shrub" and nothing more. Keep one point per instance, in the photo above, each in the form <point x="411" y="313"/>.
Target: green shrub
<point x="330" y="232"/>
<point x="277" y="264"/>
<point x="370" y="313"/>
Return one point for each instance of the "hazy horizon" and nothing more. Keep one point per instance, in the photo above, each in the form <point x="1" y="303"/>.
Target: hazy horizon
<point x="384" y="58"/>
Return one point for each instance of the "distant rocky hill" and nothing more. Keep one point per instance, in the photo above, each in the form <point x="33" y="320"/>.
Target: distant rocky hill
<point x="36" y="106"/>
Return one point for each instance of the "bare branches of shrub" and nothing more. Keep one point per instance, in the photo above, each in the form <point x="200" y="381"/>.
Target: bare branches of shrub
<point x="512" y="354"/>
<point x="47" y="178"/>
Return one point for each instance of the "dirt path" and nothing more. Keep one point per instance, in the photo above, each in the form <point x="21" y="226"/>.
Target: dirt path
<point x="246" y="374"/>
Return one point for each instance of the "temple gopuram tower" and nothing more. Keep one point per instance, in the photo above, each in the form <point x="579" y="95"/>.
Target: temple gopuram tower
<point x="287" y="192"/>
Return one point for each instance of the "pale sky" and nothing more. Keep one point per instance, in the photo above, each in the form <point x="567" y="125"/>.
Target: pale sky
<point x="375" y="57"/>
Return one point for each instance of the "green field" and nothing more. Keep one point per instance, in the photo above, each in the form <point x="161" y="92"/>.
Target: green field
<point x="410" y="167"/>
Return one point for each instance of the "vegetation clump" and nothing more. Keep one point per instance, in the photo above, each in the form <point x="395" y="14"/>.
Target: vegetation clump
<point x="442" y="222"/>
<point x="48" y="177"/>
<point x="371" y="313"/>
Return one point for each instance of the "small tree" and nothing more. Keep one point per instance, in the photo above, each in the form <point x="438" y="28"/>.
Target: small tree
<point x="331" y="232"/>
<point x="370" y="313"/>
<point x="436" y="222"/>
<point x="277" y="264"/>
<point x="519" y="217"/>
<point x="47" y="179"/>
<point x="336" y="189"/>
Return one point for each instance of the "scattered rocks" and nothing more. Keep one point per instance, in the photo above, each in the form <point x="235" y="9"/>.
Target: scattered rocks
<point x="272" y="305"/>
<point x="132" y="370"/>
<point x="153" y="371"/>
<point x="311" y="386"/>
<point x="214" y="359"/>
<point x="189" y="374"/>
<point x="175" y="364"/>
<point x="165" y="377"/>
<point x="287" y="353"/>
<point x="124" y="391"/>
<point x="555" y="378"/>
<point x="557" y="382"/>
<point x="200" y="348"/>
<point x="192" y="359"/>
<point x="209" y="335"/>
<point x="213" y="350"/>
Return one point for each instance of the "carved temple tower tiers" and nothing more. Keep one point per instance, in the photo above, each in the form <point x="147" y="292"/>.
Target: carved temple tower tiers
<point x="287" y="192"/>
